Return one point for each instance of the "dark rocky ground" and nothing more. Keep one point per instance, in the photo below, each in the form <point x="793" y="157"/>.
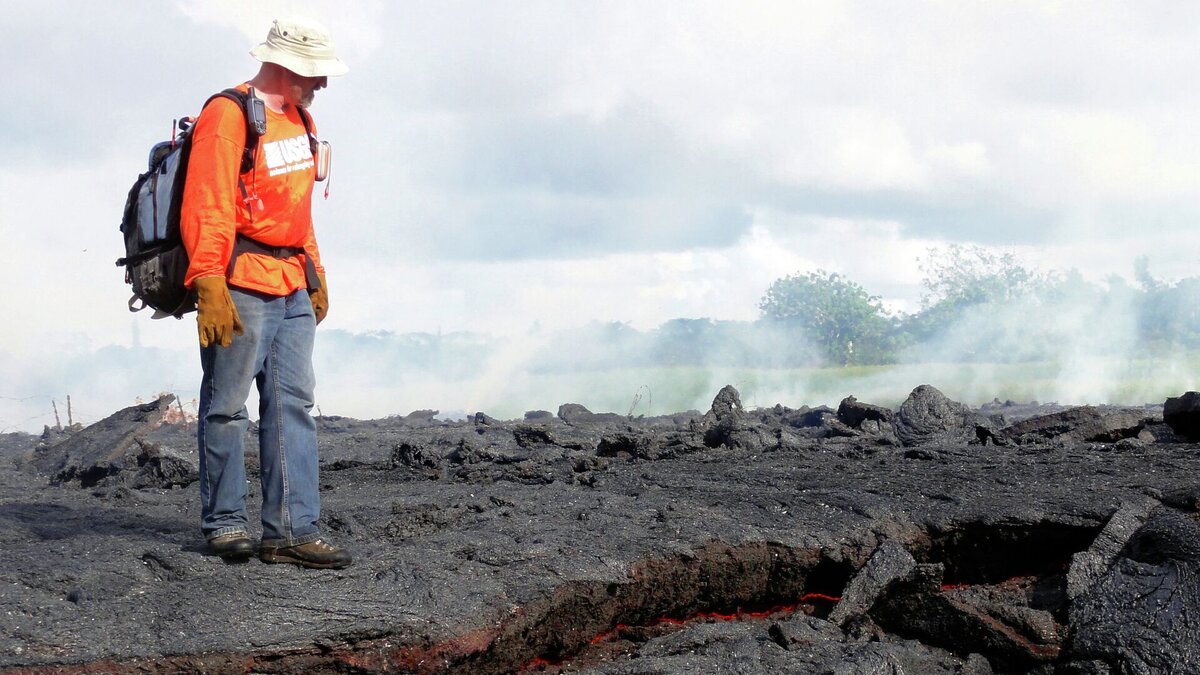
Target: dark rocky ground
<point x="935" y="538"/>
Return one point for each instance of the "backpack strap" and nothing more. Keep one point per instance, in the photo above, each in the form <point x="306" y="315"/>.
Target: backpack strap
<point x="241" y="98"/>
<point x="308" y="129"/>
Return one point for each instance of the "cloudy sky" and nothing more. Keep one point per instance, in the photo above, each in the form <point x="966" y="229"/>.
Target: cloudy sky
<point x="504" y="166"/>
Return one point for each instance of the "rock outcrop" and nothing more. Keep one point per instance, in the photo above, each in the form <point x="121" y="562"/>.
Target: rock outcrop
<point x="1182" y="414"/>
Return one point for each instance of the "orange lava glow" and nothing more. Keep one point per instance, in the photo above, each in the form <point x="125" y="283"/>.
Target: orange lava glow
<point x="539" y="663"/>
<point x="739" y="615"/>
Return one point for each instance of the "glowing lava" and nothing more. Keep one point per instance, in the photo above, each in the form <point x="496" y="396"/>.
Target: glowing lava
<point x="737" y="615"/>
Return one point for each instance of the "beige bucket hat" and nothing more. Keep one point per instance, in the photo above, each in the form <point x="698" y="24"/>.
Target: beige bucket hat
<point x="301" y="45"/>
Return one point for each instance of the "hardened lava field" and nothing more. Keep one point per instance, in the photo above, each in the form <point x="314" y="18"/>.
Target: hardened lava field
<point x="933" y="538"/>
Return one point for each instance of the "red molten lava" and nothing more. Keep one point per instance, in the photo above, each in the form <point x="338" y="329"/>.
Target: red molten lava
<point x="539" y="663"/>
<point x="1017" y="581"/>
<point x="738" y="615"/>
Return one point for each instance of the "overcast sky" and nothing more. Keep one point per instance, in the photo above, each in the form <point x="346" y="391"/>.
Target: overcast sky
<point x="499" y="166"/>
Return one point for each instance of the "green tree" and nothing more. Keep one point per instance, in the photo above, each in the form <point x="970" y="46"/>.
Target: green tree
<point x="972" y="275"/>
<point x="844" y="322"/>
<point x="960" y="277"/>
<point x="1169" y="314"/>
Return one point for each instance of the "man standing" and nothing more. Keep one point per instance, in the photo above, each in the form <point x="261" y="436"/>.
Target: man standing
<point x="261" y="291"/>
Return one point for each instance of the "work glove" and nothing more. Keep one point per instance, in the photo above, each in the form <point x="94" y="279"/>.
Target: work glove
<point x="216" y="316"/>
<point x="320" y="299"/>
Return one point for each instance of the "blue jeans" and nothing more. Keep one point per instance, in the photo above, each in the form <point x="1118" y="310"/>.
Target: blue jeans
<point x="275" y="353"/>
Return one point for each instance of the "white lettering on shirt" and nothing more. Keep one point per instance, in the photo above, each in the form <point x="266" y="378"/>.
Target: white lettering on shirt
<point x="287" y="155"/>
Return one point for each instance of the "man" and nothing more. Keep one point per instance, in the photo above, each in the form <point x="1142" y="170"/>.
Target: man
<point x="261" y="291"/>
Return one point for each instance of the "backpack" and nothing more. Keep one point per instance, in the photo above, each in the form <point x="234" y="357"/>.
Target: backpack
<point x="155" y="260"/>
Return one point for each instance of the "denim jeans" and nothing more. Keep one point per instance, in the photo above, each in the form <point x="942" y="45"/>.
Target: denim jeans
<point x="276" y="354"/>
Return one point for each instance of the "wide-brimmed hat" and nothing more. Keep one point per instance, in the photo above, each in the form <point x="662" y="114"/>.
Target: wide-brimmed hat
<point x="301" y="45"/>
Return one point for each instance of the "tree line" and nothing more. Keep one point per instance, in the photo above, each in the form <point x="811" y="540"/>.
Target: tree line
<point x="976" y="306"/>
<point x="984" y="306"/>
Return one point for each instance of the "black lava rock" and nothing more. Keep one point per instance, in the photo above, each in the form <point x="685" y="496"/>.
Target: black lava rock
<point x="928" y="417"/>
<point x="1182" y="414"/>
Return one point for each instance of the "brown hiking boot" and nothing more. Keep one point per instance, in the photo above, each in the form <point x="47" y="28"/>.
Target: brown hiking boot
<point x="233" y="545"/>
<point x="317" y="554"/>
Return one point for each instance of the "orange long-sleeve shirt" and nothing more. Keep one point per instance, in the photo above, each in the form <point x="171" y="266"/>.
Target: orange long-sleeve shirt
<point x="279" y="209"/>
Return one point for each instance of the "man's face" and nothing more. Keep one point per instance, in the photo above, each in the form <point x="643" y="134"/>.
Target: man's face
<point x="301" y="89"/>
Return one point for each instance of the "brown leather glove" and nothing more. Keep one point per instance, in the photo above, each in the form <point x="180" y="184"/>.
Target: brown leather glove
<point x="320" y="299"/>
<point x="216" y="316"/>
